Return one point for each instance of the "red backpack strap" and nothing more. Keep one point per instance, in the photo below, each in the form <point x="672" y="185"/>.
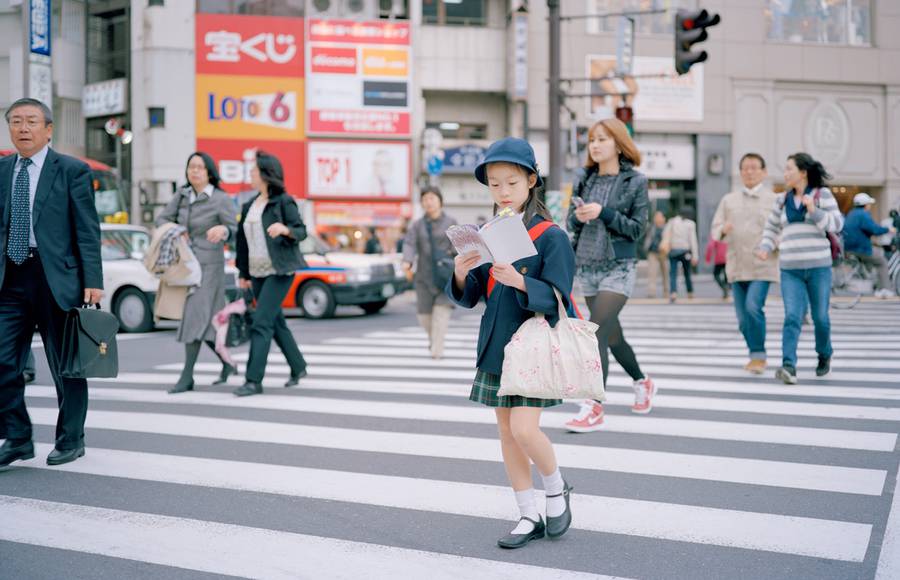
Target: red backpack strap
<point x="534" y="233"/>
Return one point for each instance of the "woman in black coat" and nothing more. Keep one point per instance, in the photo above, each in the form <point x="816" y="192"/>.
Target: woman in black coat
<point x="268" y="254"/>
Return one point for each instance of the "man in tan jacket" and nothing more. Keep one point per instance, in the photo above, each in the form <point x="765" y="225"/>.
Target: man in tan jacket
<point x="739" y="221"/>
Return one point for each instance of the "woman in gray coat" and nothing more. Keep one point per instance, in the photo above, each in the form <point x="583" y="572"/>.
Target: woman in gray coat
<point x="210" y="218"/>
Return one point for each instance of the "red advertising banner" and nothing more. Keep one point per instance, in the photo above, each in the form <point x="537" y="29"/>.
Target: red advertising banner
<point x="370" y="32"/>
<point x="235" y="158"/>
<point x="249" y="45"/>
<point x="359" y="122"/>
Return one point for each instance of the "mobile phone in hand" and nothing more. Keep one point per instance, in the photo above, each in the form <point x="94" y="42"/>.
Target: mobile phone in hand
<point x="577" y="201"/>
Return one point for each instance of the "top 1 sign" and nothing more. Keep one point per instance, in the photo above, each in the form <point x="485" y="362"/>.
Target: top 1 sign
<point x="249" y="45"/>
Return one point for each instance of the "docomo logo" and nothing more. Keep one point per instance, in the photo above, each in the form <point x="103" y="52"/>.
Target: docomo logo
<point x="334" y="60"/>
<point x="227" y="46"/>
<point x="274" y="109"/>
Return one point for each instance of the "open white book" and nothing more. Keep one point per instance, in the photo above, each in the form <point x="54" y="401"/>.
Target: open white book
<point x="502" y="240"/>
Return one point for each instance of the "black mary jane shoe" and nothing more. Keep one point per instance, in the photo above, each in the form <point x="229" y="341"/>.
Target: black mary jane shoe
<point x="59" y="456"/>
<point x="227" y="371"/>
<point x="513" y="541"/>
<point x="248" y="388"/>
<point x="181" y="388"/>
<point x="559" y="525"/>
<point x="292" y="382"/>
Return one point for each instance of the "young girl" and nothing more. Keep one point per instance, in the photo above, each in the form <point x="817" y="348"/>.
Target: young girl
<point x="513" y="293"/>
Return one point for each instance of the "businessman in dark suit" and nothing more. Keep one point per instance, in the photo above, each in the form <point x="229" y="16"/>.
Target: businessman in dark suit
<point x="49" y="263"/>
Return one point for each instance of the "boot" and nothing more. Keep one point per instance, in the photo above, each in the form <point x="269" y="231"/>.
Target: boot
<point x="440" y="320"/>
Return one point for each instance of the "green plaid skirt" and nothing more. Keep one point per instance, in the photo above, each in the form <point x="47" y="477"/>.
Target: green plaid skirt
<point x="484" y="391"/>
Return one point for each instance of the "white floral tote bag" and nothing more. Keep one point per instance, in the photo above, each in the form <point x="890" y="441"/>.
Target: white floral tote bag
<point x="553" y="363"/>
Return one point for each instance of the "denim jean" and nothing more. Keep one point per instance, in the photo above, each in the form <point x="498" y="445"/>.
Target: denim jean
<point x="749" y="301"/>
<point x="799" y="289"/>
<point x="685" y="262"/>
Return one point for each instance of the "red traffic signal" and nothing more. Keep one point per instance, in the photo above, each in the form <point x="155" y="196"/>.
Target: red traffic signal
<point x="690" y="28"/>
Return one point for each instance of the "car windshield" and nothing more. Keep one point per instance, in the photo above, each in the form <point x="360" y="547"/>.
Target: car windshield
<point x="313" y="245"/>
<point x="123" y="244"/>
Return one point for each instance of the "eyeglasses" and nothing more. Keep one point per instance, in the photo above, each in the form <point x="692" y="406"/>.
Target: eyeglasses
<point x="18" y="123"/>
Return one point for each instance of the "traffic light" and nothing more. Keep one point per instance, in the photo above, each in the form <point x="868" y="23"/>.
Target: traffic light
<point x="690" y="28"/>
<point x="626" y="115"/>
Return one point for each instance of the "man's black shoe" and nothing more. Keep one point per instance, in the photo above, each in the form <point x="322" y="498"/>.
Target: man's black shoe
<point x="824" y="366"/>
<point x="59" y="456"/>
<point x="248" y="388"/>
<point x="14" y="451"/>
<point x="292" y="382"/>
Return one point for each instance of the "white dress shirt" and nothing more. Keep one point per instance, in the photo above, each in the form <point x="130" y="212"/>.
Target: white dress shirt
<point x="34" y="174"/>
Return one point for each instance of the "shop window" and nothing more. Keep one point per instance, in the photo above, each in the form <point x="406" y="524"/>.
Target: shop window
<point x="453" y="130"/>
<point x="293" y="8"/>
<point x="156" y="2"/>
<point x="455" y="12"/>
<point x="847" y="22"/>
<point x="156" y="117"/>
<point x="651" y="24"/>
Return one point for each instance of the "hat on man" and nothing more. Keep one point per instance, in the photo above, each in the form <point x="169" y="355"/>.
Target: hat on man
<point x="509" y="150"/>
<point x="862" y="199"/>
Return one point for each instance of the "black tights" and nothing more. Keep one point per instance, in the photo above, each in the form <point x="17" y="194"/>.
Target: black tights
<point x="605" y="308"/>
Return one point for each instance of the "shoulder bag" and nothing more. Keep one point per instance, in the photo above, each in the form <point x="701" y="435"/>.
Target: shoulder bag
<point x="561" y="362"/>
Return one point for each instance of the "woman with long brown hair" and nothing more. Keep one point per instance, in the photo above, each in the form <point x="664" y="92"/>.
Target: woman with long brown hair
<point x="607" y="216"/>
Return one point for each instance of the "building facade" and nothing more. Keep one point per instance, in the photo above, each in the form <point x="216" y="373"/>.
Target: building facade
<point x="782" y="76"/>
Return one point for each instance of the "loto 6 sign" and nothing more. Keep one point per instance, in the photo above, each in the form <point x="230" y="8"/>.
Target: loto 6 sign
<point x="249" y="45"/>
<point x="241" y="107"/>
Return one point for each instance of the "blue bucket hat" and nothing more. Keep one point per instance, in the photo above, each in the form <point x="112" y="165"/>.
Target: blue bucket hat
<point x="509" y="150"/>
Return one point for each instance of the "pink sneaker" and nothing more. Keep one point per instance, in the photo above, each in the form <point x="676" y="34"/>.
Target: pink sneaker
<point x="590" y="418"/>
<point x="644" y="390"/>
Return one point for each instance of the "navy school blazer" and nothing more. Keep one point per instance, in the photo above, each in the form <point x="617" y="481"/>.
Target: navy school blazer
<point x="507" y="307"/>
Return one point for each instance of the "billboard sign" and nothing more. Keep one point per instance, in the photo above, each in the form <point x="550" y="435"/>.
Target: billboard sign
<point x="358" y="78"/>
<point x="359" y="169"/>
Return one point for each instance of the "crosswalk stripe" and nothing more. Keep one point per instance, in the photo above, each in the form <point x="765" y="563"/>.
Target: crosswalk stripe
<point x="374" y="348"/>
<point x="223" y="548"/>
<point x="665" y="464"/>
<point x="711" y="339"/>
<point x="834" y="540"/>
<point x="712" y="386"/>
<point x="340" y="368"/>
<point x="652" y="425"/>
<point x="734" y="364"/>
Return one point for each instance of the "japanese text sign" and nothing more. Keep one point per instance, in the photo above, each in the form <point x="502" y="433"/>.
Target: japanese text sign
<point x="249" y="45"/>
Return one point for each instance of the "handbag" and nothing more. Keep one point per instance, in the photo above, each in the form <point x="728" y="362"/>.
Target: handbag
<point x="240" y="324"/>
<point x="89" y="347"/>
<point x="561" y="362"/>
<point x="441" y="267"/>
<point x="837" y="247"/>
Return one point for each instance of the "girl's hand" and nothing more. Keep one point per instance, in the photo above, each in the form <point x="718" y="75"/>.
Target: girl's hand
<point x="810" y="202"/>
<point x="462" y="263"/>
<point x="588" y="212"/>
<point x="761" y="254"/>
<point x="277" y="229"/>
<point x="507" y="275"/>
<point x="216" y="234"/>
<point x="244" y="284"/>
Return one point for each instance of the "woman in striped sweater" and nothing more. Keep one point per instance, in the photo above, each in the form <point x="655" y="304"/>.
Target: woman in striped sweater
<point x="802" y="218"/>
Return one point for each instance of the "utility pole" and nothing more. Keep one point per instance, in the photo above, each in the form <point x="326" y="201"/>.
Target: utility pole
<point x="554" y="172"/>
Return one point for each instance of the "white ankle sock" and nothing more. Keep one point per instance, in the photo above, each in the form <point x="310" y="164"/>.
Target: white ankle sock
<point x="553" y="485"/>
<point x="527" y="509"/>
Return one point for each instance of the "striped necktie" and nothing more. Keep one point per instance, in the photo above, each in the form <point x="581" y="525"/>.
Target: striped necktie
<point x="20" y="222"/>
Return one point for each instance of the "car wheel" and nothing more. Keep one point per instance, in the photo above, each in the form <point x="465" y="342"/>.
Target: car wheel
<point x="373" y="307"/>
<point x="133" y="311"/>
<point x="316" y="300"/>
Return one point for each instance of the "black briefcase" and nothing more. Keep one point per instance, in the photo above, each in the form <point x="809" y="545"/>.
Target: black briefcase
<point x="89" y="344"/>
